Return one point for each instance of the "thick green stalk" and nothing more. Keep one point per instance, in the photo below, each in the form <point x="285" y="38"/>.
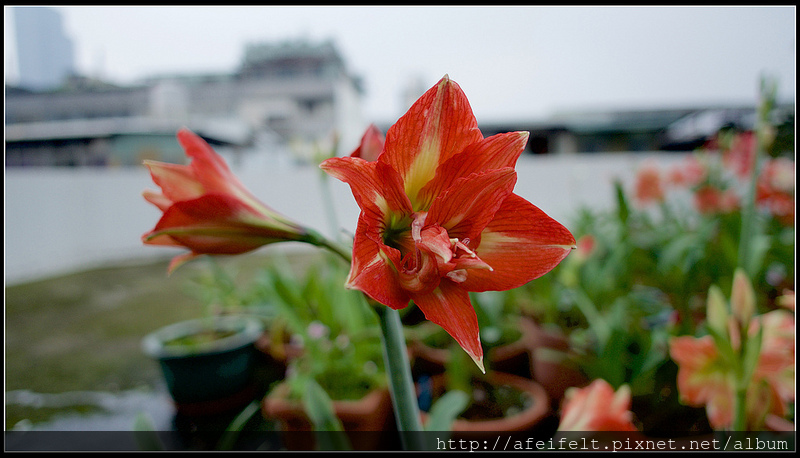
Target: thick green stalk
<point x="317" y="239"/>
<point x="767" y="100"/>
<point x="395" y="355"/>
<point x="745" y="260"/>
<point x="748" y="219"/>
<point x="740" y="394"/>
<point x="740" y="406"/>
<point x="398" y="370"/>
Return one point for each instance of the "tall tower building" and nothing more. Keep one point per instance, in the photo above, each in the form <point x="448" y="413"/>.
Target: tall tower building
<point x="44" y="52"/>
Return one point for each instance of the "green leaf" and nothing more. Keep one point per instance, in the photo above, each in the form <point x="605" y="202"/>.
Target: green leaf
<point x="319" y="408"/>
<point x="678" y="253"/>
<point x="752" y="353"/>
<point x="759" y="246"/>
<point x="723" y="344"/>
<point x="597" y="323"/>
<point x="288" y="299"/>
<point x="231" y="434"/>
<point x="614" y="358"/>
<point x="145" y="435"/>
<point x="446" y="409"/>
<point x="623" y="210"/>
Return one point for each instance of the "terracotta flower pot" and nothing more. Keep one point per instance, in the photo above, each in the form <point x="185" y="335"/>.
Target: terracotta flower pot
<point x="512" y="358"/>
<point x="550" y="364"/>
<point x="373" y="413"/>
<point x="526" y="420"/>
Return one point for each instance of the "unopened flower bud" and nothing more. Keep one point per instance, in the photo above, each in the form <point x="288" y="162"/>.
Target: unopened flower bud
<point x="743" y="299"/>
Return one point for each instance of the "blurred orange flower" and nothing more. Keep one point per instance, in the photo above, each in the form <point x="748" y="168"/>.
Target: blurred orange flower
<point x="689" y="172"/>
<point x="597" y="407"/>
<point x="649" y="186"/>
<point x="739" y="157"/>
<point x="710" y="200"/>
<point x="371" y="144"/>
<point x="706" y="378"/>
<point x="775" y="189"/>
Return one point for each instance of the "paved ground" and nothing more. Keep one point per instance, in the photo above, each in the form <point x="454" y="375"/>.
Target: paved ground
<point x="114" y="427"/>
<point x="119" y="411"/>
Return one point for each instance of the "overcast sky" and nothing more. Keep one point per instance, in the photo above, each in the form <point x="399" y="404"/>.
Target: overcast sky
<point x="512" y="62"/>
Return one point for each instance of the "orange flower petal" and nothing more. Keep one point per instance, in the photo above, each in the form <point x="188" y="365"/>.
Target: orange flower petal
<point x="471" y="203"/>
<point x="208" y="166"/>
<point x="376" y="187"/>
<point x="449" y="307"/>
<point x="597" y="407"/>
<point x="521" y="243"/>
<point x="442" y="124"/>
<point x="158" y="199"/>
<point x="496" y="152"/>
<point x="177" y="182"/>
<point x="374" y="270"/>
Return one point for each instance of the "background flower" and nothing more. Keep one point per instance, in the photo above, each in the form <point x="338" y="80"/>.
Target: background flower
<point x="597" y="407"/>
<point x="207" y="209"/>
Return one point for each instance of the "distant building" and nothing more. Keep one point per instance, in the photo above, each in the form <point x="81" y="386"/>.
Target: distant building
<point x="44" y="52"/>
<point x="298" y="90"/>
<point x="678" y="129"/>
<point x="295" y="92"/>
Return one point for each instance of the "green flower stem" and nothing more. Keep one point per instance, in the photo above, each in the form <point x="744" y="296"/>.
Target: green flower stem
<point x="740" y="406"/>
<point x="317" y="239"/>
<point x="398" y="369"/>
<point x="748" y="219"/>
<point x="745" y="260"/>
<point x="395" y="355"/>
<point x="767" y="100"/>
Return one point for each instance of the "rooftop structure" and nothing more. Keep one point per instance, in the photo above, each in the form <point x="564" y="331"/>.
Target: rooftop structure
<point x="296" y="91"/>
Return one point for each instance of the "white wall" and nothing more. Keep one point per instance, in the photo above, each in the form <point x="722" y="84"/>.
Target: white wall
<point x="61" y="220"/>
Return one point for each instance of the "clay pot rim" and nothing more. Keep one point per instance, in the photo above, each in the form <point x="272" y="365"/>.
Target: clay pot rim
<point x="527" y="329"/>
<point x="518" y="422"/>
<point x="276" y="403"/>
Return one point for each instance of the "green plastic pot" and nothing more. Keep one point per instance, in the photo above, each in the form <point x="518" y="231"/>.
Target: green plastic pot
<point x="206" y="371"/>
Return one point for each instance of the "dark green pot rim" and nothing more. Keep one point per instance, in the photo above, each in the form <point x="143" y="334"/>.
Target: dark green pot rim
<point x="249" y="330"/>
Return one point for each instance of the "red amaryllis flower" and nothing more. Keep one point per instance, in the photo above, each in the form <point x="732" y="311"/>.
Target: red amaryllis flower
<point x="207" y="209"/>
<point x="703" y="380"/>
<point x="597" y="407"/>
<point x="585" y="246"/>
<point x="649" y="186"/>
<point x="741" y="155"/>
<point x="371" y="144"/>
<point x="710" y="200"/>
<point x="706" y="378"/>
<point x="439" y="217"/>
<point x="775" y="189"/>
<point x="689" y="172"/>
